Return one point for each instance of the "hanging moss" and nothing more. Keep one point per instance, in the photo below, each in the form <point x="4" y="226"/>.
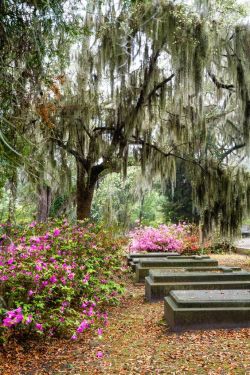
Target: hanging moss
<point x="121" y="96"/>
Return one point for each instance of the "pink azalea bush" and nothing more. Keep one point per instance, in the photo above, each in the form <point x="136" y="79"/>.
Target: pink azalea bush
<point x="165" y="238"/>
<point x="57" y="278"/>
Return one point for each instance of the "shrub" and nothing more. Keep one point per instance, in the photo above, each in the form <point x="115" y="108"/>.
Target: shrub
<point x="180" y="238"/>
<point x="57" y="278"/>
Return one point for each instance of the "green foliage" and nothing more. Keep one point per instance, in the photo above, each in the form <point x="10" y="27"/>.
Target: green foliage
<point x="35" y="38"/>
<point x="154" y="82"/>
<point x="179" y="205"/>
<point x="55" y="276"/>
<point x="123" y="202"/>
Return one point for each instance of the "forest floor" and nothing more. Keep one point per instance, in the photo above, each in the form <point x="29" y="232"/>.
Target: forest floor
<point x="137" y="341"/>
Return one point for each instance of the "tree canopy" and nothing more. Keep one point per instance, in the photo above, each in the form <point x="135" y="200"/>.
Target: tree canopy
<point x="149" y="83"/>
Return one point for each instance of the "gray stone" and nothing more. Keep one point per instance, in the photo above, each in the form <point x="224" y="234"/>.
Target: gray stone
<point x="208" y="275"/>
<point x="132" y="256"/>
<point x="160" y="282"/>
<point x="207" y="309"/>
<point x="143" y="267"/>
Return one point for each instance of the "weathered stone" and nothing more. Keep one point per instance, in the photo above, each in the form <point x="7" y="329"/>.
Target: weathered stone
<point x="160" y="282"/>
<point x="134" y="257"/>
<point x="208" y="275"/>
<point x="203" y="309"/>
<point x="138" y="260"/>
<point x="214" y="269"/>
<point x="144" y="266"/>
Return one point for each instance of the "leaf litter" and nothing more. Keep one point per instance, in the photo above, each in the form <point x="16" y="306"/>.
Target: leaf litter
<point x="136" y="341"/>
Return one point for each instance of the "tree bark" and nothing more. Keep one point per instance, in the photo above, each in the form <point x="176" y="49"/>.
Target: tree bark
<point x="12" y="197"/>
<point x="84" y="202"/>
<point x="85" y="188"/>
<point x="44" y="202"/>
<point x="141" y="209"/>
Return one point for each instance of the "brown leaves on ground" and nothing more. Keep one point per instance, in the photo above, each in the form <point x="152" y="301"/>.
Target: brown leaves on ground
<point x="137" y="341"/>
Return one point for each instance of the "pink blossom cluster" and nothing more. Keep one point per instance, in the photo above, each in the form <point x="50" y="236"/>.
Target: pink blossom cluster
<point x="55" y="272"/>
<point x="164" y="238"/>
<point x="13" y="317"/>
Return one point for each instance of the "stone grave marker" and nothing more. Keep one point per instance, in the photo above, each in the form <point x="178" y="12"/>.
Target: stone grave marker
<point x="145" y="265"/>
<point x="207" y="309"/>
<point x="135" y="257"/>
<point x="160" y="282"/>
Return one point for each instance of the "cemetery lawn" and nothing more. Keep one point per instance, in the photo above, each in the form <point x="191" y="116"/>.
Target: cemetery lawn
<point x="137" y="341"/>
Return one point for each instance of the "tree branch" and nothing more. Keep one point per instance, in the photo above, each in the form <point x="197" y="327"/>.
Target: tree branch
<point x="84" y="127"/>
<point x="230" y="150"/>
<point x="165" y="154"/>
<point x="218" y="84"/>
<point x="103" y="129"/>
<point x="73" y="152"/>
<point x="147" y="74"/>
<point x="160" y="85"/>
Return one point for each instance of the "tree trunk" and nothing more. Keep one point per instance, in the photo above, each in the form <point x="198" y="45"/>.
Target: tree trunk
<point x="85" y="192"/>
<point x="141" y="209"/>
<point x="44" y="202"/>
<point x="12" y="197"/>
<point x="84" y="202"/>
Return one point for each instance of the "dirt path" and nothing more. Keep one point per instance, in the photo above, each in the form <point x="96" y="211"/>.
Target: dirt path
<point x="137" y="341"/>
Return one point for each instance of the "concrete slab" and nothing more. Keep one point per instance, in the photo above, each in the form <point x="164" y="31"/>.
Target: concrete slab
<point x="209" y="275"/>
<point x="152" y="255"/>
<point x="159" y="283"/>
<point x="132" y="256"/>
<point x="133" y="261"/>
<point x="143" y="267"/>
<point x="203" y="309"/>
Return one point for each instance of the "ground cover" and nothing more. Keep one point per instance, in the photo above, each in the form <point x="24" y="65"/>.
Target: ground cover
<point x="136" y="341"/>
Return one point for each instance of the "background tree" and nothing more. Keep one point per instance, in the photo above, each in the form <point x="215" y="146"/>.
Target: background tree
<point x="35" y="38"/>
<point x="160" y="82"/>
<point x="179" y="205"/>
<point x="163" y="83"/>
<point x="127" y="202"/>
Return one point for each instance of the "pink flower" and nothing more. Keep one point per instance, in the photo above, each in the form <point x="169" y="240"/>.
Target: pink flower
<point x="13" y="317"/>
<point x="74" y="337"/>
<point x="28" y="319"/>
<point x="99" y="354"/>
<point x="39" y="327"/>
<point x="71" y="276"/>
<point x="53" y="279"/>
<point x="163" y="238"/>
<point x="91" y="312"/>
<point x="56" y="232"/>
<point x="86" y="279"/>
<point x="35" y="239"/>
<point x="100" y="331"/>
<point x="63" y="280"/>
<point x="84" y="325"/>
